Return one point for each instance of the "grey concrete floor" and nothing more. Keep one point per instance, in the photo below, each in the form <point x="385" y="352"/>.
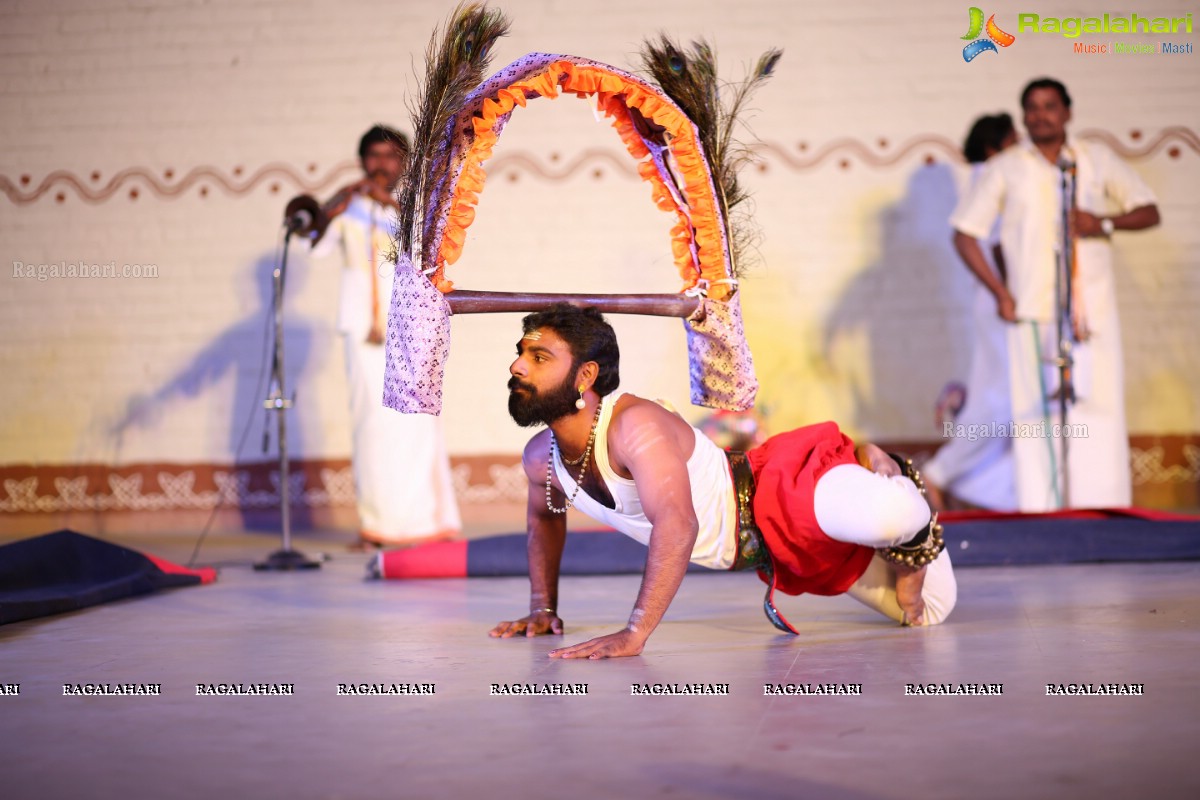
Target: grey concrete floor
<point x="1022" y="627"/>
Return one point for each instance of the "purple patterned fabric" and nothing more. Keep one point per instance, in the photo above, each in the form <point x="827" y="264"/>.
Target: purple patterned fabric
<point x="720" y="365"/>
<point x="418" y="342"/>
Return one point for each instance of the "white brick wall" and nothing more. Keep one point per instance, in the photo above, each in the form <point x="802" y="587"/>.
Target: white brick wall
<point x="164" y="369"/>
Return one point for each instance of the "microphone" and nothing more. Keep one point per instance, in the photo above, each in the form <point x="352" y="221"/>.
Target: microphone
<point x="303" y="215"/>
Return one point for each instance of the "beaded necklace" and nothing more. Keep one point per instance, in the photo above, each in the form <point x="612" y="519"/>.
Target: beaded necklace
<point x="582" y="470"/>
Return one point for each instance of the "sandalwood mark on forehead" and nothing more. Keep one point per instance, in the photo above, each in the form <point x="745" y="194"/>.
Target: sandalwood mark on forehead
<point x="533" y="335"/>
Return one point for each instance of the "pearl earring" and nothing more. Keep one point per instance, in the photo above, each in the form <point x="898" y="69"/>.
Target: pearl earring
<point x="581" y="404"/>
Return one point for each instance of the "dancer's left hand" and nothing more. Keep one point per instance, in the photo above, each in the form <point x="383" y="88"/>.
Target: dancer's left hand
<point x="615" y="645"/>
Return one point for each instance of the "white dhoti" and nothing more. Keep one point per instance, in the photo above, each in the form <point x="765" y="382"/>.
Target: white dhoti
<point x="1096" y="437"/>
<point x="401" y="471"/>
<point x="979" y="469"/>
<point x="1023" y="189"/>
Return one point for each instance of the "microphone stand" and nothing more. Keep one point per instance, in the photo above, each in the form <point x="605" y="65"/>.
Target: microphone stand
<point x="284" y="559"/>
<point x="1064" y="307"/>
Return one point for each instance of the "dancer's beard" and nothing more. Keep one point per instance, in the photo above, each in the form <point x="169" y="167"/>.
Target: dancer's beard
<point x="530" y="408"/>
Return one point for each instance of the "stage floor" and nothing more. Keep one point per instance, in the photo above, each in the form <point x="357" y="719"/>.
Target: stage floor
<point x="1021" y="627"/>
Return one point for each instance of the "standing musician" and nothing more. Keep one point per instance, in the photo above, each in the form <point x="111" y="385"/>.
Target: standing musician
<point x="402" y="476"/>
<point x="1022" y="187"/>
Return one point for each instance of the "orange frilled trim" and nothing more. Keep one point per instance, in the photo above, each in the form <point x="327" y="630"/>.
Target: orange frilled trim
<point x="617" y="94"/>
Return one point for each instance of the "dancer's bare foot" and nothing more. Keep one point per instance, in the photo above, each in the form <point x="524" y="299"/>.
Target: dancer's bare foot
<point x="875" y="459"/>
<point x="909" y="583"/>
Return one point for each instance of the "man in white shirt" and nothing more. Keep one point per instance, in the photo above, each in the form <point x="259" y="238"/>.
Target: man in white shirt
<point x="1023" y="188"/>
<point x="978" y="470"/>
<point x="401" y="471"/>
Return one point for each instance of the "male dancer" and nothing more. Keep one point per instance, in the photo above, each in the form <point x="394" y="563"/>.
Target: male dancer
<point x="830" y="524"/>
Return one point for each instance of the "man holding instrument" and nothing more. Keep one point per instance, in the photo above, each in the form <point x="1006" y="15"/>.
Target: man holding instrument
<point x="1023" y="187"/>
<point x="401" y="471"/>
<point x="808" y="509"/>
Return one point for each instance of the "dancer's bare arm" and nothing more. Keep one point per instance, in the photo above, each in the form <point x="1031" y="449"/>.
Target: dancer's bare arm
<point x="648" y="442"/>
<point x="547" y="533"/>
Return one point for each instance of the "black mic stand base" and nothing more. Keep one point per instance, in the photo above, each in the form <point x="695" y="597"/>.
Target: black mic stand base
<point x="286" y="561"/>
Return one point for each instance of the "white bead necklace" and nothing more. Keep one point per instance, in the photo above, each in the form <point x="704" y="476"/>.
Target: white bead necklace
<point x="582" y="469"/>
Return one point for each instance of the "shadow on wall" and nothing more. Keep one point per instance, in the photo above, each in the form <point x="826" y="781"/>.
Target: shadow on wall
<point x="245" y="349"/>
<point x="1154" y="321"/>
<point x="899" y="331"/>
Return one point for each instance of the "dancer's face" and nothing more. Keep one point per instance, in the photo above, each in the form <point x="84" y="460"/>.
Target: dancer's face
<point x="542" y="387"/>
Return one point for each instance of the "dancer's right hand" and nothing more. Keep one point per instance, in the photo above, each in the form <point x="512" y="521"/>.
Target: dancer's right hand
<point x="538" y="623"/>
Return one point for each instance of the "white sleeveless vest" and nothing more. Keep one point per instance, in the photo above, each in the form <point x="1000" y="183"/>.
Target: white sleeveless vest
<point x="712" y="497"/>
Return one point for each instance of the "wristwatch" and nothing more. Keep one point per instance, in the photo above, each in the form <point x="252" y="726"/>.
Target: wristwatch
<point x="1106" y="225"/>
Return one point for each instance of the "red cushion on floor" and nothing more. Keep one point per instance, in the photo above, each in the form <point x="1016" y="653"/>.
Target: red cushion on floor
<point x="437" y="560"/>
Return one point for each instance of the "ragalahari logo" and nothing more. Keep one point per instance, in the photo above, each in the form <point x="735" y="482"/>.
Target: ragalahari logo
<point x="995" y="36"/>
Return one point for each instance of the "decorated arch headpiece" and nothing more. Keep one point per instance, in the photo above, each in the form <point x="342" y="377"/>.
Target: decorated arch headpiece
<point x="691" y="169"/>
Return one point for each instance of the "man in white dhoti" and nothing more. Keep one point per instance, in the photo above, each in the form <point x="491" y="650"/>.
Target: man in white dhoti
<point x="1023" y="188"/>
<point x="973" y="469"/>
<point x="401" y="471"/>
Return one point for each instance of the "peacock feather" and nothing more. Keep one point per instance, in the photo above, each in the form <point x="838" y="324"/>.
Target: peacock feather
<point x="690" y="79"/>
<point x="456" y="59"/>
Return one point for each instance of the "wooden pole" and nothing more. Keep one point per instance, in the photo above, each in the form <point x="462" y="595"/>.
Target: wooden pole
<point x="463" y="301"/>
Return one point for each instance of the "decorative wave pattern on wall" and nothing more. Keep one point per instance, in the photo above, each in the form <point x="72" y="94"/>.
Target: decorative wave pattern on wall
<point x="498" y="479"/>
<point x="180" y="489"/>
<point x="133" y="182"/>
